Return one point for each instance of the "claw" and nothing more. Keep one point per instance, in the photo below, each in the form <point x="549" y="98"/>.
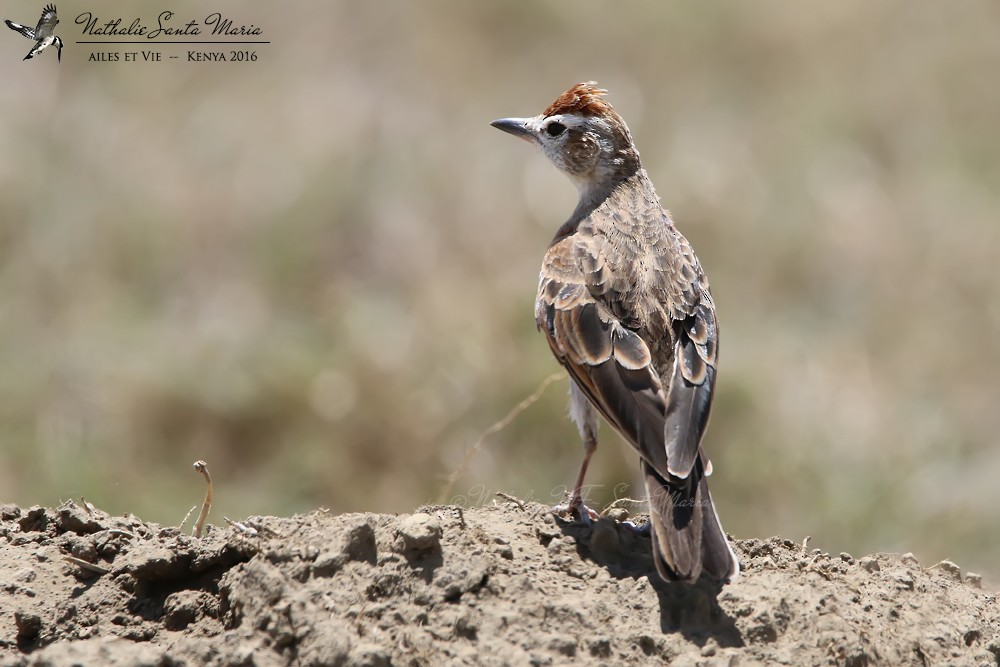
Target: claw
<point x="644" y="529"/>
<point x="578" y="511"/>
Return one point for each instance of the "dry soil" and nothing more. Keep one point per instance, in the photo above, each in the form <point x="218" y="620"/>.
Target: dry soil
<point x="507" y="584"/>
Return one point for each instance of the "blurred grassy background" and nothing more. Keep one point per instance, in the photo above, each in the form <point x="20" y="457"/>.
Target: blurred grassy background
<point x="317" y="271"/>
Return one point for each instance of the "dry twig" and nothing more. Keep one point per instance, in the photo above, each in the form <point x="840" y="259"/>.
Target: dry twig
<point x="119" y="531"/>
<point x="249" y="531"/>
<point x="495" y="428"/>
<point x="187" y="516"/>
<point x="510" y="498"/>
<point x="86" y="565"/>
<point x="202" y="467"/>
<point x="620" y="502"/>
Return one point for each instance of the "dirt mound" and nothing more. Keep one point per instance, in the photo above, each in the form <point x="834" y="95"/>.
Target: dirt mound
<point x="498" y="585"/>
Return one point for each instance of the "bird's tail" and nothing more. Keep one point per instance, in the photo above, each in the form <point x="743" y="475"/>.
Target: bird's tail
<point x="687" y="536"/>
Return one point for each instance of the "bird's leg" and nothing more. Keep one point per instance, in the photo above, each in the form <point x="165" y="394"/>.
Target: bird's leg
<point x="576" y="505"/>
<point x="585" y="417"/>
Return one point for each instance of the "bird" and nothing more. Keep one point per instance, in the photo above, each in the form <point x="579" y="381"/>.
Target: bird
<point x="626" y="308"/>
<point x="41" y="33"/>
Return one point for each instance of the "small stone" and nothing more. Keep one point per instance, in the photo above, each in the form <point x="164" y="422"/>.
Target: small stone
<point x="420" y="532"/>
<point x="910" y="559"/>
<point x="29" y="627"/>
<point x="357" y="543"/>
<point x="181" y="609"/>
<point x="563" y="645"/>
<point x="618" y="514"/>
<point x="329" y="645"/>
<point x="371" y="655"/>
<point x="559" y="545"/>
<point x="974" y="580"/>
<point x="328" y="563"/>
<point x="599" y="647"/>
<point x="74" y="519"/>
<point x="35" y="520"/>
<point x="846" y="557"/>
<point x="467" y="627"/>
<point x="81" y="547"/>
<point x="869" y="564"/>
<point x="648" y="644"/>
<point x="993" y="646"/>
<point x="548" y="531"/>
<point x="953" y="571"/>
<point x="25" y="574"/>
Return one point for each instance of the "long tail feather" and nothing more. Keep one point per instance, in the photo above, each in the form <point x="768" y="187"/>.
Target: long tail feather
<point x="686" y="533"/>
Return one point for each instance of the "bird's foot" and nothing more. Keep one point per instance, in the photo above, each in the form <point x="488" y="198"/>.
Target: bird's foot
<point x="576" y="509"/>
<point x="644" y="529"/>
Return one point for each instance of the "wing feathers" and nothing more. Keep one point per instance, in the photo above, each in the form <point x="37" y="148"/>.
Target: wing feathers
<point x="47" y="22"/>
<point x="570" y="296"/>
<point x="629" y="350"/>
<point x="614" y="366"/>
<point x="592" y="340"/>
<point x="689" y="400"/>
<point x="27" y="31"/>
<point x="693" y="367"/>
<point x="687" y="411"/>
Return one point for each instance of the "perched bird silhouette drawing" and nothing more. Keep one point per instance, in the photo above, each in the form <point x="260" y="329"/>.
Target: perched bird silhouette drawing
<point x="626" y="308"/>
<point x="42" y="34"/>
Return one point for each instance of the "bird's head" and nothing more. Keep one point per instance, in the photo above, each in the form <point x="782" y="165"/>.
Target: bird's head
<point x="583" y="136"/>
<point x="59" y="44"/>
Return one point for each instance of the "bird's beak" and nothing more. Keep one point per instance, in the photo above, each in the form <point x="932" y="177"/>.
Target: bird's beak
<point x="516" y="126"/>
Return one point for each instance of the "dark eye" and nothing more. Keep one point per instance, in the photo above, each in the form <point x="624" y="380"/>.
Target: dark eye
<point x="555" y="129"/>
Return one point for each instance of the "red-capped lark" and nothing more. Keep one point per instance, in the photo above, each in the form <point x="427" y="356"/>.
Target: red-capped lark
<point x="626" y="308"/>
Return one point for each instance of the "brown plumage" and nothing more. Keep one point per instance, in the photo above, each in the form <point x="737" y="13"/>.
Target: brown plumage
<point x="585" y="99"/>
<point x="626" y="308"/>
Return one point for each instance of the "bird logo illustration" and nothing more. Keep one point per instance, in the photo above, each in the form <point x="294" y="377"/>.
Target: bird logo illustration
<point x="41" y="34"/>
